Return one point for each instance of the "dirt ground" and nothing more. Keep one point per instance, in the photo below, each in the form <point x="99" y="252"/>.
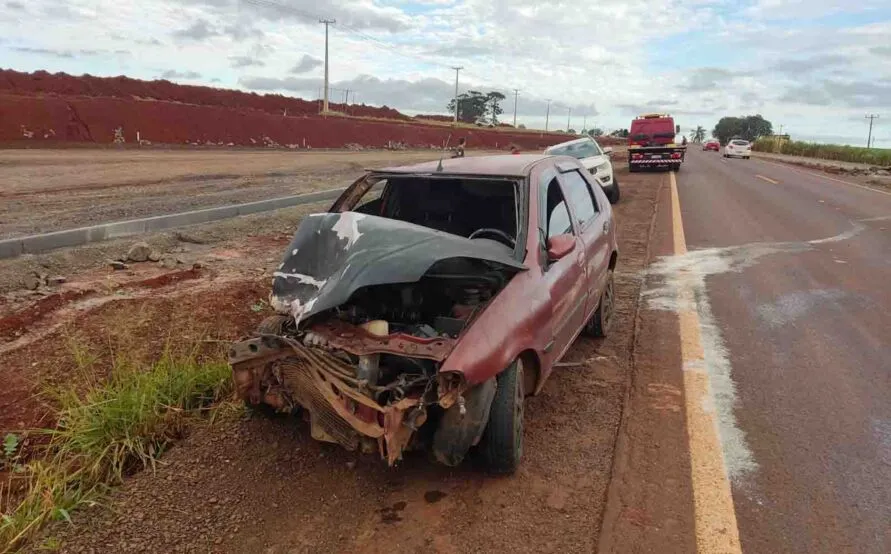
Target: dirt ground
<point x="248" y="484"/>
<point x="50" y="190"/>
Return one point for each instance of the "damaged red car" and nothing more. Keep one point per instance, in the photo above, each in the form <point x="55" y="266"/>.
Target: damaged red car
<point x="423" y="308"/>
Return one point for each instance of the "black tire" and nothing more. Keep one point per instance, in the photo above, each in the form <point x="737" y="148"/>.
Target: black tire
<point x="676" y="168"/>
<point x="600" y="322"/>
<point x="273" y="325"/>
<point x="614" y="194"/>
<point x="501" y="447"/>
<point x="260" y="410"/>
<point x="632" y="168"/>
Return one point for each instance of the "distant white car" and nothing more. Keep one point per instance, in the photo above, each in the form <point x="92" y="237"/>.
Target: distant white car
<point x="738" y="148"/>
<point x="595" y="159"/>
<point x="484" y="121"/>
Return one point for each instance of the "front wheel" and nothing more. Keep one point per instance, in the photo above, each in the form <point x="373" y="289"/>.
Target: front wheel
<point x="501" y="446"/>
<point x="613" y="195"/>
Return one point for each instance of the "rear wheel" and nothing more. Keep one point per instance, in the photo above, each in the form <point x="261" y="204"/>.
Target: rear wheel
<point x="501" y="446"/>
<point x="600" y="322"/>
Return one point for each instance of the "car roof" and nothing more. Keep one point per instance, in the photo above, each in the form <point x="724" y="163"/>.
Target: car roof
<point x="504" y="165"/>
<point x="568" y="142"/>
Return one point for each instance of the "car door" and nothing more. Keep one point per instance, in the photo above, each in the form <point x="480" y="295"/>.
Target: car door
<point x="591" y="218"/>
<point x="565" y="278"/>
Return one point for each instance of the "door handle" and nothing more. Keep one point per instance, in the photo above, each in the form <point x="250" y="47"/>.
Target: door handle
<point x="606" y="227"/>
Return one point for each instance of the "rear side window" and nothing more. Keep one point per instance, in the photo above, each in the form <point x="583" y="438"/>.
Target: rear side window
<point x="557" y="214"/>
<point x="579" y="196"/>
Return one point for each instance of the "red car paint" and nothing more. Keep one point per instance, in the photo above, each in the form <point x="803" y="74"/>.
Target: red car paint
<point x="542" y="310"/>
<point x="711" y="145"/>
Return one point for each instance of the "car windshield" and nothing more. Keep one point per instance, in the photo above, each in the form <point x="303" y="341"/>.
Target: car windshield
<point x="578" y="150"/>
<point x="455" y="205"/>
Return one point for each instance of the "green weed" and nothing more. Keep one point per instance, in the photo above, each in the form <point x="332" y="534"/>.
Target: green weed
<point x="873" y="156"/>
<point x="109" y="427"/>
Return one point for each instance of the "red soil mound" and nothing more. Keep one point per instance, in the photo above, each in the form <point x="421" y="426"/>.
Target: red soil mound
<point x="40" y="108"/>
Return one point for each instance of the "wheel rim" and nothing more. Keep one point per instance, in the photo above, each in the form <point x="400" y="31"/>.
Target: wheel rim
<point x="607" y="312"/>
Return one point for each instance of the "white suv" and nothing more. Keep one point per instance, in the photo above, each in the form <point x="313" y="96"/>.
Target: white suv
<point x="595" y="159"/>
<point x="738" y="148"/>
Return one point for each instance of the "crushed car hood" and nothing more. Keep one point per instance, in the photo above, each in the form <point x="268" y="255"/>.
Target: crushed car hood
<point x="334" y="254"/>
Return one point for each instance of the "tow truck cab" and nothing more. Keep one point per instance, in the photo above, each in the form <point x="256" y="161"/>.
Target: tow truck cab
<point x="652" y="130"/>
<point x="651" y="143"/>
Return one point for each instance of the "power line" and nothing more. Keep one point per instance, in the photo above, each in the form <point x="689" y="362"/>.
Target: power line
<point x="871" y="117"/>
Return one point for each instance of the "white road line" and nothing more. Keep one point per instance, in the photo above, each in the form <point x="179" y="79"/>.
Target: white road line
<point x="768" y="179"/>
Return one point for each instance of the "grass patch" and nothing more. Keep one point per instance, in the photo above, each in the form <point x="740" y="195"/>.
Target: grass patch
<point x="109" y="426"/>
<point x="874" y="156"/>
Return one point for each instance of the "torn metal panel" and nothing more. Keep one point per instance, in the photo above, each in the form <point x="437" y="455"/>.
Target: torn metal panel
<point x="285" y="374"/>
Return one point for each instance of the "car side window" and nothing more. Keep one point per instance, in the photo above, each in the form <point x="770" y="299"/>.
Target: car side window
<point x="557" y="213"/>
<point x="579" y="195"/>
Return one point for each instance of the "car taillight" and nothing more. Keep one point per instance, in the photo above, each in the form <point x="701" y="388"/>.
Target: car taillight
<point x="675" y="155"/>
<point x="636" y="156"/>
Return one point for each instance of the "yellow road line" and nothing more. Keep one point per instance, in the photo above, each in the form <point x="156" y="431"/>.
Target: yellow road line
<point x="768" y="179"/>
<point x="822" y="176"/>
<point x="715" y="516"/>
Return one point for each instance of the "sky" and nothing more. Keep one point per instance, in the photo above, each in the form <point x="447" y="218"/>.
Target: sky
<point x="814" y="67"/>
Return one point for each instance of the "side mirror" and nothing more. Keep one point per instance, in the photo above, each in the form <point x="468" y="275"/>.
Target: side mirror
<point x="608" y="150"/>
<point x="560" y="246"/>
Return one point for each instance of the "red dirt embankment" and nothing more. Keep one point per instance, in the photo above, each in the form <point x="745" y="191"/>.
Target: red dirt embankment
<point x="62" y="84"/>
<point x="42" y="108"/>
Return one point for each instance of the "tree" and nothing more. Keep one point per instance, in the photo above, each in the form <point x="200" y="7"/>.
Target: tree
<point x="494" y="98"/>
<point x="595" y="132"/>
<point x="750" y="127"/>
<point x="474" y="104"/>
<point x="622" y="133"/>
<point x="699" y="134"/>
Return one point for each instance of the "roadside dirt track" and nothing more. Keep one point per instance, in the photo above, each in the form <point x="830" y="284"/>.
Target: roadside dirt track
<point x="50" y="190"/>
<point x="257" y="485"/>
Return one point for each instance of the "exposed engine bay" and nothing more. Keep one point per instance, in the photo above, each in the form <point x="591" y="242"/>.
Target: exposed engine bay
<point x="369" y="309"/>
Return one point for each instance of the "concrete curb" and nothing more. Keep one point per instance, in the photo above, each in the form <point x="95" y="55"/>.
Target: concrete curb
<point x="33" y="244"/>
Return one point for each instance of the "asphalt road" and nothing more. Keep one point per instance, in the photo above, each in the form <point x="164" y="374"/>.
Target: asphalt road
<point x="795" y="309"/>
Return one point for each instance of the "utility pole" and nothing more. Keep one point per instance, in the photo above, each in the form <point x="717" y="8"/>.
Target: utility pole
<point x="516" y="95"/>
<point x="326" y="22"/>
<point x="548" y="115"/>
<point x="585" y="124"/>
<point x="568" y="118"/>
<point x="457" y="69"/>
<point x="870" y="117"/>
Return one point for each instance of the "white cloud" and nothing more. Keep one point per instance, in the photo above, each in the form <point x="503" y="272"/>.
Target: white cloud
<point x="609" y="58"/>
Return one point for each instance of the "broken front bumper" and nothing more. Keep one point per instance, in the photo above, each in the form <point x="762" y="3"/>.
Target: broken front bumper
<point x="284" y="374"/>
